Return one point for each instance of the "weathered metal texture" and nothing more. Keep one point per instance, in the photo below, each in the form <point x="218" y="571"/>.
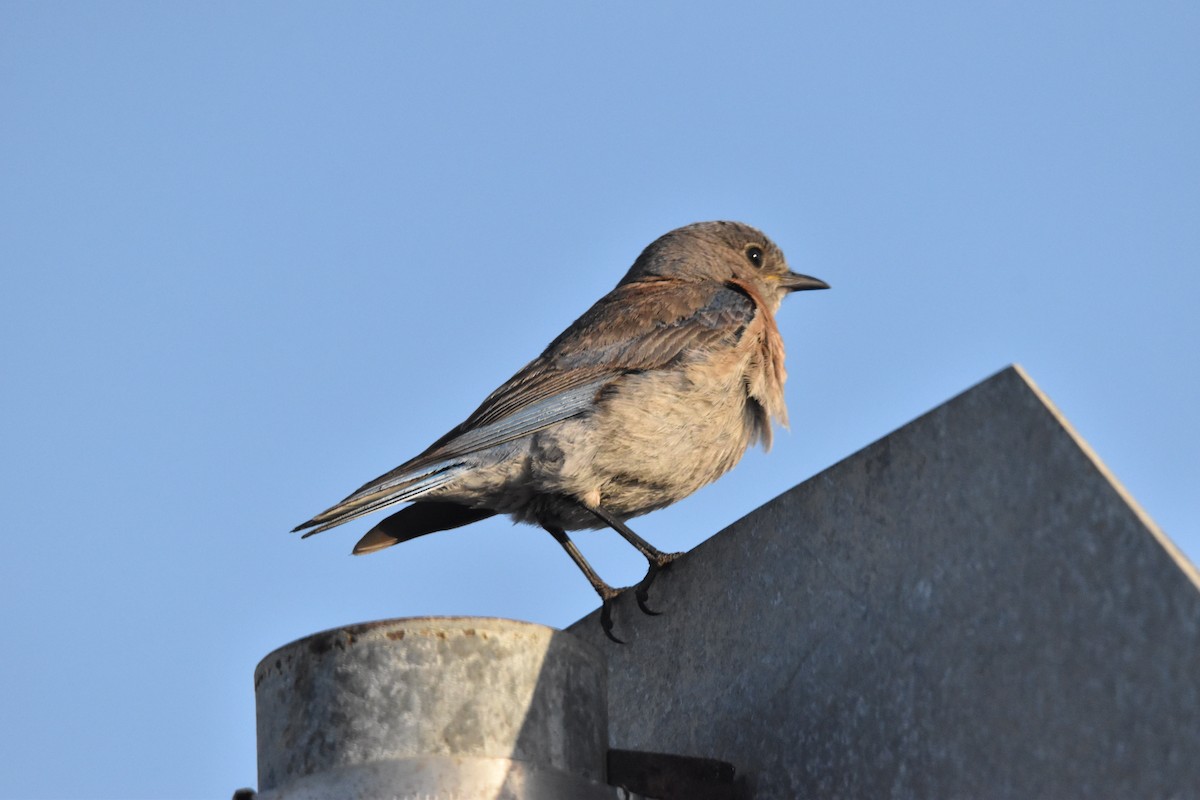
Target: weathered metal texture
<point x="969" y="607"/>
<point x="433" y="707"/>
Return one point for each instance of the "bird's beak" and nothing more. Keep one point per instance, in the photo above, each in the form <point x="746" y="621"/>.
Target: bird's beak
<point x="795" y="282"/>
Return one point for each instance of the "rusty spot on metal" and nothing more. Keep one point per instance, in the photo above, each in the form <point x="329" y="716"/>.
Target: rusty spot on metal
<point x="395" y="636"/>
<point x="321" y="644"/>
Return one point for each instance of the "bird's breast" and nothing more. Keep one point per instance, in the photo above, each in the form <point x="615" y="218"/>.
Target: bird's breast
<point x="657" y="436"/>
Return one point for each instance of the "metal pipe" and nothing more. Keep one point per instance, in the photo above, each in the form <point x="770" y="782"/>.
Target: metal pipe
<point x="433" y="708"/>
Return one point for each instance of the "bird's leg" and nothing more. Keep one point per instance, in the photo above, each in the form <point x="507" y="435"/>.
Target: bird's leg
<point x="657" y="558"/>
<point x="606" y="592"/>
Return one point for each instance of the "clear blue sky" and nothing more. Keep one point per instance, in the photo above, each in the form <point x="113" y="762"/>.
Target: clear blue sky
<point x="256" y="254"/>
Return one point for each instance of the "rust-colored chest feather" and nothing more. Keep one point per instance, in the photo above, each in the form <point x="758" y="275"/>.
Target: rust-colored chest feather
<point x="765" y="372"/>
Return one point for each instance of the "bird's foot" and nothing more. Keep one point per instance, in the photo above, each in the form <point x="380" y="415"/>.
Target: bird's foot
<point x="641" y="592"/>
<point x="606" y="621"/>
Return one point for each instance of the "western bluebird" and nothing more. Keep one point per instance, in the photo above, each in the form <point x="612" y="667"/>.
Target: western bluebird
<point x="657" y="390"/>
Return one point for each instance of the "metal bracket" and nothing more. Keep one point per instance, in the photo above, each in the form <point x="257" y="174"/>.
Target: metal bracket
<point x="669" y="777"/>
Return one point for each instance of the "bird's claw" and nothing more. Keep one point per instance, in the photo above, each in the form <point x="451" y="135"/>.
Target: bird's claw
<point x="606" y="621"/>
<point x="642" y="591"/>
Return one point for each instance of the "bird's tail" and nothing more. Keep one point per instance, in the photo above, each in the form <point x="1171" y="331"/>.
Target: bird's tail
<point x="395" y="487"/>
<point x="420" y="518"/>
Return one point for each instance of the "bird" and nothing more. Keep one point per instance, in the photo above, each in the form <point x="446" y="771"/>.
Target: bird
<point x="655" y="391"/>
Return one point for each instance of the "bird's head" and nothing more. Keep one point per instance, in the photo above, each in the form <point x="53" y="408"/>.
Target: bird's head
<point x="721" y="251"/>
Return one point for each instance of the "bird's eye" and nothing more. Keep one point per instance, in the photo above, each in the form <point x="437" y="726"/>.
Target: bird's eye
<point x="754" y="255"/>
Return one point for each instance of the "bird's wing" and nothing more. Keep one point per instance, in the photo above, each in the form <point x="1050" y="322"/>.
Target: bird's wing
<point x="436" y="468"/>
<point x="636" y="327"/>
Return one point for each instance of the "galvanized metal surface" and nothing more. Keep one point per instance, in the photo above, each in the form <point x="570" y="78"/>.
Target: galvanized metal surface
<point x="969" y="607"/>
<point x="452" y="708"/>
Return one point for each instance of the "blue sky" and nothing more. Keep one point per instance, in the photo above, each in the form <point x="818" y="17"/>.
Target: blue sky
<point x="255" y="254"/>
